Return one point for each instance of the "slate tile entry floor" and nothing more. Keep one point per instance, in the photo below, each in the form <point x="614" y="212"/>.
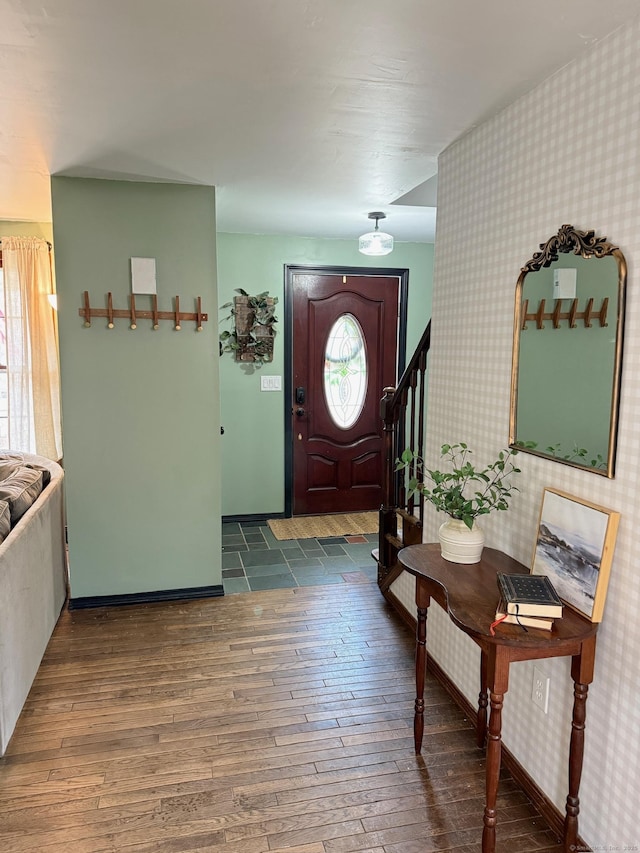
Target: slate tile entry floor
<point x="253" y="559"/>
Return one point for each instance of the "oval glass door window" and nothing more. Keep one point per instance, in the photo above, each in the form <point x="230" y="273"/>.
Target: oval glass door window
<point x="345" y="371"/>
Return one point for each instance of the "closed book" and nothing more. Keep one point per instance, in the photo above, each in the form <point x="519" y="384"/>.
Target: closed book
<point x="529" y="595"/>
<point x="527" y="621"/>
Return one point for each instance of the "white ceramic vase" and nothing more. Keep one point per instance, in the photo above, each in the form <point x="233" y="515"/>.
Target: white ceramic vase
<point x="458" y="544"/>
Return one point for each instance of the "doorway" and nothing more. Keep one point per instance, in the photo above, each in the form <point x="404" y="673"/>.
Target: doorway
<point x="346" y="339"/>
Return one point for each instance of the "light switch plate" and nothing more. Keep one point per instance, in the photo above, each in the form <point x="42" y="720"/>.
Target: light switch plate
<point x="271" y="383"/>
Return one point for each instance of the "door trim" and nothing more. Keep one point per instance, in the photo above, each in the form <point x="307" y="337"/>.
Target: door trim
<point x="289" y="271"/>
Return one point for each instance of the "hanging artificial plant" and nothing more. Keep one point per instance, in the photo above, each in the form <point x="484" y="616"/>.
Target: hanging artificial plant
<point x="251" y="337"/>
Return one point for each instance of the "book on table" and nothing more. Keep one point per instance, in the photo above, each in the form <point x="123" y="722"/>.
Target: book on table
<point x="529" y="595"/>
<point x="540" y="622"/>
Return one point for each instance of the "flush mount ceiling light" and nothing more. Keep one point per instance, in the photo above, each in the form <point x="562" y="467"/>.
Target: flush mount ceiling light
<point x="376" y="242"/>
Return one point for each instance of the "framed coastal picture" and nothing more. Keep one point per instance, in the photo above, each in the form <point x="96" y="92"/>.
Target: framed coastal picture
<point x="574" y="548"/>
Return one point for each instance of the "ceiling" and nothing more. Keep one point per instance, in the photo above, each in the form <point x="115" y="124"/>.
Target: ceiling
<point x="305" y="114"/>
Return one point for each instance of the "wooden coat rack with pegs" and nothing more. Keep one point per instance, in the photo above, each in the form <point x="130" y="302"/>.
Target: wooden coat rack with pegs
<point x="134" y="314"/>
<point x="572" y="315"/>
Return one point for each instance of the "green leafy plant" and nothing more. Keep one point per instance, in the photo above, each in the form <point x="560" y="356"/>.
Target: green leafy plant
<point x="464" y="492"/>
<point x="253" y="320"/>
<point x="579" y="454"/>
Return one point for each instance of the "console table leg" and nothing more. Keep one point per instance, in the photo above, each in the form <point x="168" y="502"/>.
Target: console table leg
<point x="576" y="753"/>
<point x="481" y="723"/>
<point x="494" y="750"/>
<point x="421" y="665"/>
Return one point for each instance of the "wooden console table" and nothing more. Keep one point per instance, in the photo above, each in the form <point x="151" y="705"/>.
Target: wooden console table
<point x="469" y="594"/>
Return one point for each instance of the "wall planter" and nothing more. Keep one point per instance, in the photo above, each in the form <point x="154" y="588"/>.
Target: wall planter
<point x="252" y="336"/>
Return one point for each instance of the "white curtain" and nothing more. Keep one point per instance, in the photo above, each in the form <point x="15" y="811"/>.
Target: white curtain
<point x="32" y="352"/>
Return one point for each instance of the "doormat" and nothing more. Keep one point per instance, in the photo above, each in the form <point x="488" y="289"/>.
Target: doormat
<point x="322" y="526"/>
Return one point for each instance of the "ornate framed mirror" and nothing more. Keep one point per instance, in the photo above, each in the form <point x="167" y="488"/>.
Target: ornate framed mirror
<point x="567" y="351"/>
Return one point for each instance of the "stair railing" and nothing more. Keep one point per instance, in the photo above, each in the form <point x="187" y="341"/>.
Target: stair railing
<point x="402" y="410"/>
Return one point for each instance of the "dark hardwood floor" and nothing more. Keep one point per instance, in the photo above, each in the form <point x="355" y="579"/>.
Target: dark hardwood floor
<point x="268" y="721"/>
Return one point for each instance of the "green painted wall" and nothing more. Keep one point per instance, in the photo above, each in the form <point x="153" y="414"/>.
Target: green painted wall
<point x="253" y="445"/>
<point x="140" y="407"/>
<point x="12" y="228"/>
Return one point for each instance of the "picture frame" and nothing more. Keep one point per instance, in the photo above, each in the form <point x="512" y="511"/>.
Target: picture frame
<point x="574" y="547"/>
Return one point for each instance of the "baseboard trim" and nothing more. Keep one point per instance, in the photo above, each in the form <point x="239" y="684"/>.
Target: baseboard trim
<point x="245" y="519"/>
<point x="553" y="816"/>
<point x="186" y="594"/>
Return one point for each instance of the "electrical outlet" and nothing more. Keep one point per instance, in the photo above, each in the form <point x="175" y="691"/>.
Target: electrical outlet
<point x="540" y="689"/>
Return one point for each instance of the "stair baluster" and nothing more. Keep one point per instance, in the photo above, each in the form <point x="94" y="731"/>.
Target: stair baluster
<point x="402" y="410"/>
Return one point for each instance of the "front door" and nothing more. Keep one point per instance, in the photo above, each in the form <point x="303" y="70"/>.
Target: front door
<point x="344" y="352"/>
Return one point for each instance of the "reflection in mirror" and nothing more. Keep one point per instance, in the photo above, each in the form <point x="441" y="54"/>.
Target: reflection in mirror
<point x="567" y="351"/>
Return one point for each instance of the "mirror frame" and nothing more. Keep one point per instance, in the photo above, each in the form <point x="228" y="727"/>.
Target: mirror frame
<point x="587" y="245"/>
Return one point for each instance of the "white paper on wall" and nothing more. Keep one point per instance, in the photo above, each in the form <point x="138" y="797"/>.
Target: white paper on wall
<point x="143" y="275"/>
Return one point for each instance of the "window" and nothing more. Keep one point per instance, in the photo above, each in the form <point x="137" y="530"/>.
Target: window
<point x="345" y="371"/>
<point x="29" y="368"/>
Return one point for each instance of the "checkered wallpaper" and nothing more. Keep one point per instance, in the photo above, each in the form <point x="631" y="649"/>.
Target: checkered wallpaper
<point x="567" y="152"/>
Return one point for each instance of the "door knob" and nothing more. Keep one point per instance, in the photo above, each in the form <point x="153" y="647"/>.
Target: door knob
<point x="300" y="412"/>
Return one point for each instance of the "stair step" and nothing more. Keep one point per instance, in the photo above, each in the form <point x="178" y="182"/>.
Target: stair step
<point x="408" y="517"/>
<point x="395" y="541"/>
<point x="392" y="574"/>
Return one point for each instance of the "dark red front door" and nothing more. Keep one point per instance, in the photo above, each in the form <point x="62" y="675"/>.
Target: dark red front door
<point x="344" y="353"/>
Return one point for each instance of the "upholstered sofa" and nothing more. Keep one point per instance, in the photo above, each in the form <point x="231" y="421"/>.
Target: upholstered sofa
<point x="32" y="574"/>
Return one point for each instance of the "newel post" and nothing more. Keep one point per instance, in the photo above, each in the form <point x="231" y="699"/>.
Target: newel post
<point x="387" y="524"/>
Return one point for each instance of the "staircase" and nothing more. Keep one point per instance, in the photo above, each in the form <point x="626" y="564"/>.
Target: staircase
<point x="403" y="412"/>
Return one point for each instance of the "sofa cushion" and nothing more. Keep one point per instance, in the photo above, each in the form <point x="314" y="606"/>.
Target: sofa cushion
<point x="46" y="473"/>
<point x="20" y="489"/>
<point x="10" y="462"/>
<point x="5" y="520"/>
